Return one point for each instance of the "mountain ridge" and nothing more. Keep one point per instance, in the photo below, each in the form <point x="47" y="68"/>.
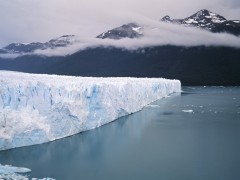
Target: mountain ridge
<point x="61" y="41"/>
<point x="130" y="30"/>
<point x="202" y="19"/>
<point x="193" y="65"/>
<point x="207" y="20"/>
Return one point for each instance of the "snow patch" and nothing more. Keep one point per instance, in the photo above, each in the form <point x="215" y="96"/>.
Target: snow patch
<point x="190" y="21"/>
<point x="218" y="21"/>
<point x="212" y="14"/>
<point x="137" y="29"/>
<point x="208" y="17"/>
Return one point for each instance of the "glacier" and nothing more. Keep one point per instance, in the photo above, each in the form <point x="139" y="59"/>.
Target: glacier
<point x="37" y="108"/>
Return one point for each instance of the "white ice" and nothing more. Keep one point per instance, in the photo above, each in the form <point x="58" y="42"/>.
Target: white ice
<point x="16" y="173"/>
<point x="188" y="111"/>
<point x="189" y="21"/>
<point x="35" y="109"/>
<point x="7" y="169"/>
<point x="153" y="106"/>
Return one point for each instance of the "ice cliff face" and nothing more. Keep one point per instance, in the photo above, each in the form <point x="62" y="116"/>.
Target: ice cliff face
<point x="40" y="108"/>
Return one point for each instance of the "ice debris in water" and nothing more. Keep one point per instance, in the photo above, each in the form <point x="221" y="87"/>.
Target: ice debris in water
<point x="7" y="169"/>
<point x="8" y="172"/>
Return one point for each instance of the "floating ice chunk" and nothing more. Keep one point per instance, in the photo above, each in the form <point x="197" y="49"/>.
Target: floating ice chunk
<point x="13" y="176"/>
<point x="16" y="173"/>
<point x="7" y="169"/>
<point x="188" y="111"/>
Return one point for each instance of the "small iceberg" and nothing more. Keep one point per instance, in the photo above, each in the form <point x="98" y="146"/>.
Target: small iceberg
<point x="188" y="111"/>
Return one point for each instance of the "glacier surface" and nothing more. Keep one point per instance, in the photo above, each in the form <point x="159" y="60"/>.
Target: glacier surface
<point x="35" y="109"/>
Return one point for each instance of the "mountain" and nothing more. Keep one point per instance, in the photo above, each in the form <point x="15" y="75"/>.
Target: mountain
<point x="193" y="66"/>
<point x="2" y="51"/>
<point x="203" y="19"/>
<point x="62" y="41"/>
<point x="131" y="30"/>
<point x="29" y="63"/>
<point x="197" y="65"/>
<point x="207" y="20"/>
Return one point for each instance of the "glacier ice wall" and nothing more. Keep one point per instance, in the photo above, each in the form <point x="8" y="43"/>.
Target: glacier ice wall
<point x="40" y="108"/>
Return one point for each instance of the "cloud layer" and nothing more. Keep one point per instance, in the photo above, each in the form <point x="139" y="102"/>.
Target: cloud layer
<point x="41" y="20"/>
<point x="155" y="34"/>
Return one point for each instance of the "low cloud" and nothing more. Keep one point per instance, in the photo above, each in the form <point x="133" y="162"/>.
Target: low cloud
<point x="155" y="34"/>
<point x="41" y="20"/>
<point x="9" y="56"/>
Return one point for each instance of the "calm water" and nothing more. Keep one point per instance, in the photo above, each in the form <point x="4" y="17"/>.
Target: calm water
<point x="159" y="143"/>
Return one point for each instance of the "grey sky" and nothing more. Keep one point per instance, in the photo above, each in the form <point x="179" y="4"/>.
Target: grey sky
<point x="41" y="20"/>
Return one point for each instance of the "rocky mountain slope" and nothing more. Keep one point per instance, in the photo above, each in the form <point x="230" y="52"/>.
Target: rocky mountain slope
<point x="131" y="30"/>
<point x="62" y="41"/>
<point x="207" y="20"/>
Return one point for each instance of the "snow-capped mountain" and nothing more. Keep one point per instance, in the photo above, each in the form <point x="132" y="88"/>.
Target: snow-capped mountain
<point x="131" y="30"/>
<point x="207" y="20"/>
<point x="203" y="19"/>
<point x="62" y="41"/>
<point x="150" y="59"/>
<point x="23" y="47"/>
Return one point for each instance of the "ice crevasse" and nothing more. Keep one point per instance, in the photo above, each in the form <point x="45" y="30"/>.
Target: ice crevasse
<point x="35" y="109"/>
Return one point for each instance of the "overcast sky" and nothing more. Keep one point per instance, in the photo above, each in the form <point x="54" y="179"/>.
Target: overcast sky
<point x="41" y="20"/>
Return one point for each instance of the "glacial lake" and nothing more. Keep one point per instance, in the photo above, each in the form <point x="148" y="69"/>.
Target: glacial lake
<point x="192" y="136"/>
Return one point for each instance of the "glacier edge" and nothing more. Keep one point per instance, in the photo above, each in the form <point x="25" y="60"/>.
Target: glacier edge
<point x="35" y="109"/>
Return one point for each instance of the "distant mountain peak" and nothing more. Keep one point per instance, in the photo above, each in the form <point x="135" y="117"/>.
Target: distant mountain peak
<point x="208" y="20"/>
<point x="130" y="30"/>
<point x="203" y="14"/>
<point x="166" y="18"/>
<point x="203" y="11"/>
<point x="72" y="35"/>
<point x="61" y="41"/>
